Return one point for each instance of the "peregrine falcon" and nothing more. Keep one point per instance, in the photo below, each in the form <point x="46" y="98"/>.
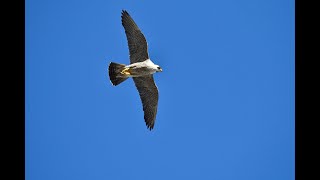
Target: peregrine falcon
<point x="141" y="69"/>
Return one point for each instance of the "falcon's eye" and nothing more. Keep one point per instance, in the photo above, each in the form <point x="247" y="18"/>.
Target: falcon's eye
<point x="158" y="67"/>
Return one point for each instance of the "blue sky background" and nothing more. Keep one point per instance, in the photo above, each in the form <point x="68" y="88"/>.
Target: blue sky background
<point x="226" y="107"/>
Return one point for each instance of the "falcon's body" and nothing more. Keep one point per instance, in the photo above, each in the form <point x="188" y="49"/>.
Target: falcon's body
<point x="141" y="69"/>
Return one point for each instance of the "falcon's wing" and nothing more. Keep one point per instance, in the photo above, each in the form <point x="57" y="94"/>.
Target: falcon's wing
<point x="138" y="47"/>
<point x="149" y="96"/>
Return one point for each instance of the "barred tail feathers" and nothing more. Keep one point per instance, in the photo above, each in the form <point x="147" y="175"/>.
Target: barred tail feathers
<point x="115" y="73"/>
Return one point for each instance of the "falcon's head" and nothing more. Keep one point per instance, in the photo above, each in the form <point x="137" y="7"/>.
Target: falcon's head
<point x="159" y="69"/>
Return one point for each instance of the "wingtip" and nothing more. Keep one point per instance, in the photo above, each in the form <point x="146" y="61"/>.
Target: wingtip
<point x="124" y="12"/>
<point x="150" y="127"/>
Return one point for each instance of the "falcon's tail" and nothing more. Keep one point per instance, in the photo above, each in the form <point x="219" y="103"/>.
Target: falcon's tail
<point x="115" y="75"/>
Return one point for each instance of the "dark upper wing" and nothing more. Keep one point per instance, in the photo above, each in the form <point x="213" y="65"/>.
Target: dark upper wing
<point x="137" y="43"/>
<point x="149" y="96"/>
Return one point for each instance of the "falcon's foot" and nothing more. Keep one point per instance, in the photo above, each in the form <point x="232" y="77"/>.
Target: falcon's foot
<point x="125" y="71"/>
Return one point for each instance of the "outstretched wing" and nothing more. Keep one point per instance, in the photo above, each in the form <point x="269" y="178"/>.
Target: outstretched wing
<point x="138" y="47"/>
<point x="149" y="96"/>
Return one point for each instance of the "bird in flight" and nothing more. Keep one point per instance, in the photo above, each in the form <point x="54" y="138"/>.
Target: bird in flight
<point x="141" y="69"/>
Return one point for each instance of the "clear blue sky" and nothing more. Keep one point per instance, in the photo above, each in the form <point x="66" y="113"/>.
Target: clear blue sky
<point x="226" y="107"/>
